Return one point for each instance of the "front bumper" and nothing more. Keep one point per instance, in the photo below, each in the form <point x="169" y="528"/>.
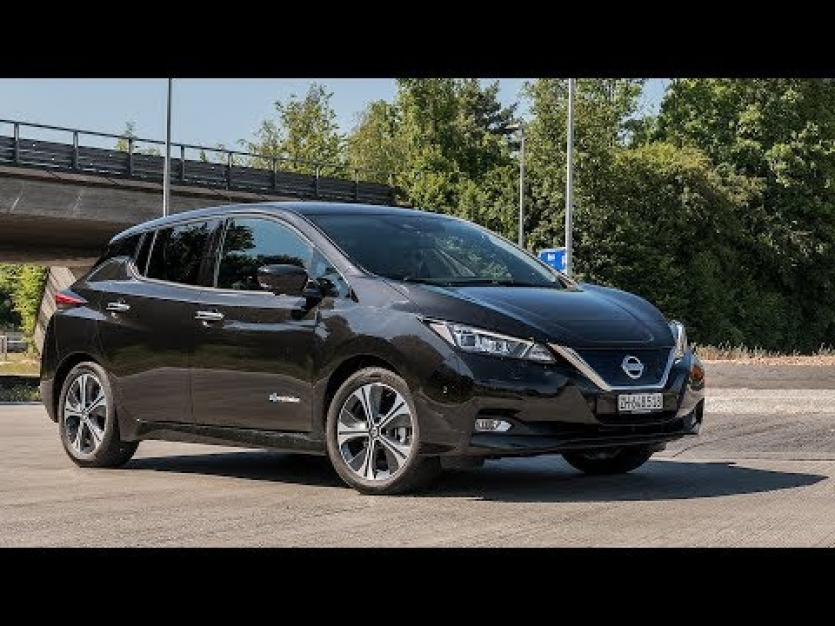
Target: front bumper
<point x="550" y="409"/>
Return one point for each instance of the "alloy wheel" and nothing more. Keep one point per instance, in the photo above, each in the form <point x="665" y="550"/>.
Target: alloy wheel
<point x="375" y="432"/>
<point x="85" y="414"/>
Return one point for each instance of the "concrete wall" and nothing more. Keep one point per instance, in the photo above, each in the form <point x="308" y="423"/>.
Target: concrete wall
<point x="59" y="278"/>
<point x="55" y="218"/>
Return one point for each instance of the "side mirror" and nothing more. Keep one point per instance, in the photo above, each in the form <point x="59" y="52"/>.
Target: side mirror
<point x="290" y="280"/>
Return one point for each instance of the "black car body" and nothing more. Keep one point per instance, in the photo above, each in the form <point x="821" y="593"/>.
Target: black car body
<point x="249" y="324"/>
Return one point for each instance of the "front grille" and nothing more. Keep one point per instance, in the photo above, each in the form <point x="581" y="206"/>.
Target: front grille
<point x="608" y="365"/>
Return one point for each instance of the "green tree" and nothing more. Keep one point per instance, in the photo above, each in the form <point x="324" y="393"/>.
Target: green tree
<point x="780" y="134"/>
<point x="9" y="318"/>
<point x="305" y="132"/>
<point x="21" y="289"/>
<point x="374" y="143"/>
<point x="668" y="227"/>
<point x="455" y="157"/>
<point x="604" y="110"/>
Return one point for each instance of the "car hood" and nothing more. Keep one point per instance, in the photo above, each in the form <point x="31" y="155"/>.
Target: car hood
<point x="589" y="316"/>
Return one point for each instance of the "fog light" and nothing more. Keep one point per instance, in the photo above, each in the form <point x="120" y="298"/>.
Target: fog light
<point x="491" y="425"/>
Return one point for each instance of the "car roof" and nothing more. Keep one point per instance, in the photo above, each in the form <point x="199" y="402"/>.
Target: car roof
<point x="299" y="208"/>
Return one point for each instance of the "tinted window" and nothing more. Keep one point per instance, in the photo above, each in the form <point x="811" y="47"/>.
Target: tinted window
<point x="141" y="260"/>
<point x="250" y="243"/>
<point x="434" y="249"/>
<point x="179" y="252"/>
<point x="125" y="246"/>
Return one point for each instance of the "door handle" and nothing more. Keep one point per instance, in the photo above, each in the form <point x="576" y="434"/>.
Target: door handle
<point x="118" y="307"/>
<point x="209" y="316"/>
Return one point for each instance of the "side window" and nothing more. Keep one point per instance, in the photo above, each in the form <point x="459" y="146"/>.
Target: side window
<point x="125" y="246"/>
<point x="179" y="252"/>
<point x="141" y="260"/>
<point x="250" y="243"/>
<point x="107" y="268"/>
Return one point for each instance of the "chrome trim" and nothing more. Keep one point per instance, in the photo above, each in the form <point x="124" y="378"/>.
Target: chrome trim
<point x="586" y="370"/>
<point x="139" y="275"/>
<point x="209" y="316"/>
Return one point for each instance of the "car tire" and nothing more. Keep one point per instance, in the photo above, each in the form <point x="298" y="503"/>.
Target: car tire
<point x="604" y="461"/>
<point x="393" y="435"/>
<point x="87" y="419"/>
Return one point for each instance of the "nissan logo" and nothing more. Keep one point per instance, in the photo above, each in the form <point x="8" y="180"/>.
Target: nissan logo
<point x="632" y="366"/>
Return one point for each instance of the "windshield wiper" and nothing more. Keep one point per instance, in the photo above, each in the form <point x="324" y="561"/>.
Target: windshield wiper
<point x="415" y="279"/>
<point x="495" y="282"/>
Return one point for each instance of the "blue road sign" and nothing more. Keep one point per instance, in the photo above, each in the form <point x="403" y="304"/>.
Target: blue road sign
<point x="555" y="257"/>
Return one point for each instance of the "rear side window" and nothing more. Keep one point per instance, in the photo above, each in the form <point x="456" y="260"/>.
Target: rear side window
<point x="141" y="259"/>
<point x="252" y="243"/>
<point x="126" y="246"/>
<point x="179" y="252"/>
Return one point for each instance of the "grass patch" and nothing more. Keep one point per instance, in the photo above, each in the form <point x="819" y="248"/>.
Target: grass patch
<point x="727" y="352"/>
<point x="20" y="393"/>
<point x="19" y="364"/>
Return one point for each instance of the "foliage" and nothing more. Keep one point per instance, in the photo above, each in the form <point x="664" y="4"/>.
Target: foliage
<point x="602" y="112"/>
<point x="444" y="139"/>
<point x="22" y="286"/>
<point x="20" y="393"/>
<point x="780" y="135"/>
<point x="306" y="132"/>
<point x="123" y="143"/>
<point x="374" y="145"/>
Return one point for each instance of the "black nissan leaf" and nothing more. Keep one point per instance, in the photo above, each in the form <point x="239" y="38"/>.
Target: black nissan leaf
<point x="395" y="341"/>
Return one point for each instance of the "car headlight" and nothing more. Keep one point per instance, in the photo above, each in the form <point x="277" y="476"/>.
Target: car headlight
<point x="480" y="341"/>
<point x="680" y="335"/>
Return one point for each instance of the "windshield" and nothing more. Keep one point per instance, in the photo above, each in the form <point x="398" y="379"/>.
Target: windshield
<point x="432" y="249"/>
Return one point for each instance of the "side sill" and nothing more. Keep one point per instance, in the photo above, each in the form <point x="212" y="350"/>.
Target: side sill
<point x="226" y="436"/>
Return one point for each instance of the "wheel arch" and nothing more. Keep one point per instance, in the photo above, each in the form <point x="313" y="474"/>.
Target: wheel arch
<point x="341" y="373"/>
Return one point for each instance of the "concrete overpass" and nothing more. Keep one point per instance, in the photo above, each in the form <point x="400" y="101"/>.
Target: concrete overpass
<point x="60" y="202"/>
<point x="59" y="218"/>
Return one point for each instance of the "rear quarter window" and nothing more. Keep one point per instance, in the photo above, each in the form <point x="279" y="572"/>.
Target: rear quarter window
<point x="107" y="266"/>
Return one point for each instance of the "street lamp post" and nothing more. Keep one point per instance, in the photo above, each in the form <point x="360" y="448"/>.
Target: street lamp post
<point x="520" y="126"/>
<point x="166" y="174"/>
<point x="569" y="179"/>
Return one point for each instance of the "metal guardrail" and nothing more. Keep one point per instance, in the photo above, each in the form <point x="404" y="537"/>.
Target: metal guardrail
<point x="260" y="174"/>
<point x="11" y="342"/>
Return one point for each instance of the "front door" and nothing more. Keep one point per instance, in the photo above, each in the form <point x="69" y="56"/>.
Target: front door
<point x="252" y="360"/>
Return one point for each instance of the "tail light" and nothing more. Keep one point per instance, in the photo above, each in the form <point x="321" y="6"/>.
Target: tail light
<point x="68" y="300"/>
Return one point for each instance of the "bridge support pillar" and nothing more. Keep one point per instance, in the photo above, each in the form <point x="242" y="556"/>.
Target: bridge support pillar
<point x="59" y="278"/>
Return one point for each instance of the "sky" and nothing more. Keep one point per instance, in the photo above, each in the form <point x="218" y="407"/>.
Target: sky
<point x="204" y="111"/>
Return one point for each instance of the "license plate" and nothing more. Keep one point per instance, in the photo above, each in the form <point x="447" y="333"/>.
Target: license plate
<point x="640" y="402"/>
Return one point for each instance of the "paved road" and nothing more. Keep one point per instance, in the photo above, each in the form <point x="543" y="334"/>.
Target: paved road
<point x="761" y="474"/>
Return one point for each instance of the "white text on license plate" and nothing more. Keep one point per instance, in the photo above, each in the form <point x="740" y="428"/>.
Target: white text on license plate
<point x="640" y="402"/>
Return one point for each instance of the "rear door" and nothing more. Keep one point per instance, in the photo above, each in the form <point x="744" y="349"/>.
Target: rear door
<point x="148" y="327"/>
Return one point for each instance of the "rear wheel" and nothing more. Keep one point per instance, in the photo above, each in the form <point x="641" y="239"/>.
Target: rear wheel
<point x="87" y="419"/>
<point x="608" y="460"/>
<point x="373" y="435"/>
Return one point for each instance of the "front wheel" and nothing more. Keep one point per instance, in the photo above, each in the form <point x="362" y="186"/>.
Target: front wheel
<point x="608" y="460"/>
<point x="87" y="419"/>
<point x="373" y="435"/>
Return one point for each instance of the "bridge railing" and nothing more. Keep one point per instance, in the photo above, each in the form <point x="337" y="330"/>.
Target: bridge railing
<point x="230" y="169"/>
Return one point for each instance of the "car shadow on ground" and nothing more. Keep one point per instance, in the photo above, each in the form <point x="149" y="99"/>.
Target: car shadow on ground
<point x="300" y="469"/>
<point x="550" y="479"/>
<point x="541" y="479"/>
